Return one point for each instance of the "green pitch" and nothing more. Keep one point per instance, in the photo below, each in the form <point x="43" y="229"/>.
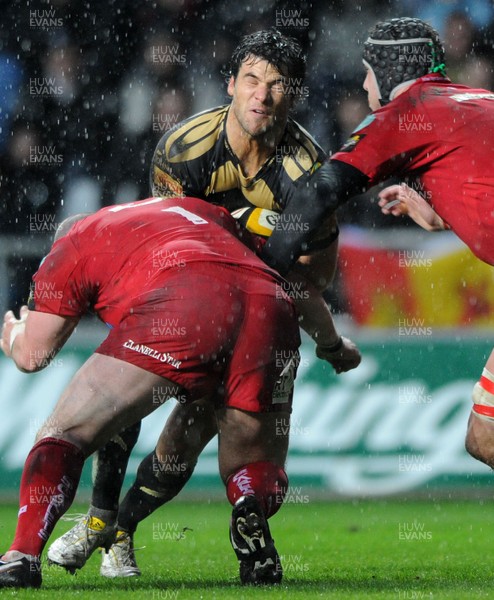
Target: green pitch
<point x="388" y="549"/>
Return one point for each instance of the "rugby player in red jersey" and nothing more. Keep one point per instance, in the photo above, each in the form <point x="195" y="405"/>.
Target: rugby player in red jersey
<point x="432" y="133"/>
<point x="221" y="294"/>
<point x="252" y="158"/>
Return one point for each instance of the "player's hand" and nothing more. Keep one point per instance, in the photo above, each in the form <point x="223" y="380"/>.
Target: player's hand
<point x="392" y="201"/>
<point x="342" y="360"/>
<point x="401" y="199"/>
<point x="11" y="329"/>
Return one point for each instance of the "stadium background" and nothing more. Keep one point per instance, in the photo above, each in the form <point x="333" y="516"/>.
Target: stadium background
<point x="86" y="91"/>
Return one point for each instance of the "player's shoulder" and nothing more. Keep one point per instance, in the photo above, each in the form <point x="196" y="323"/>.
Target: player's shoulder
<point x="300" y="149"/>
<point x="213" y="116"/>
<point x="303" y="138"/>
<point x="193" y="135"/>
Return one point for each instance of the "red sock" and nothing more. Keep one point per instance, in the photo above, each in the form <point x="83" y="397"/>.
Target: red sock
<point x="48" y="485"/>
<point x="264" y="480"/>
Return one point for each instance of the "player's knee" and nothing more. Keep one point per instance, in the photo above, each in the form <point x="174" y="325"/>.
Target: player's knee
<point x="49" y="432"/>
<point x="479" y="441"/>
<point x="188" y="429"/>
<point x="264" y="480"/>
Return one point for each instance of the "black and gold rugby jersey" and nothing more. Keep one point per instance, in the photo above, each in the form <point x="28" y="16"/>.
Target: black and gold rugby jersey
<point x="195" y="159"/>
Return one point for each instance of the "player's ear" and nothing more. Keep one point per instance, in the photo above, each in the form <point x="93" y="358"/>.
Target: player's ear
<point x="231" y="85"/>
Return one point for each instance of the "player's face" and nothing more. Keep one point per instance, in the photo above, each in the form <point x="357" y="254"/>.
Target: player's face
<point x="370" y="86"/>
<point x="260" y="102"/>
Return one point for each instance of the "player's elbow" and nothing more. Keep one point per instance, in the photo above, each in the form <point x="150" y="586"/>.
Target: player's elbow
<point x="28" y="367"/>
<point x="29" y="362"/>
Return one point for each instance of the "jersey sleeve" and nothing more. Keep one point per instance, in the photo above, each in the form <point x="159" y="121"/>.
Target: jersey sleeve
<point x="167" y="180"/>
<point x="327" y="231"/>
<point x="300" y="166"/>
<point x="57" y="286"/>
<point x="378" y="147"/>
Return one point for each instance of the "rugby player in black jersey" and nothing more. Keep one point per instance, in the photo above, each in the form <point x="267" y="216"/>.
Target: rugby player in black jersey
<point x="251" y="157"/>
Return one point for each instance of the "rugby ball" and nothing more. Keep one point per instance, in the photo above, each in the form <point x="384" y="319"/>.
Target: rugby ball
<point x="260" y="221"/>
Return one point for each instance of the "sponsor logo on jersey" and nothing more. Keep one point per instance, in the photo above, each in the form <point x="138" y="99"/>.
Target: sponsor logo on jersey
<point x="165" y="184"/>
<point x="147" y="351"/>
<point x="350" y="144"/>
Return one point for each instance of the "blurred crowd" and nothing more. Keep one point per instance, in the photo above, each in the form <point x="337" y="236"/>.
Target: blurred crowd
<point x="87" y="88"/>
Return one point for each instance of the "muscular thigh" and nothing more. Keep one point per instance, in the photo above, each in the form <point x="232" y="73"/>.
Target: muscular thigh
<point x="105" y="396"/>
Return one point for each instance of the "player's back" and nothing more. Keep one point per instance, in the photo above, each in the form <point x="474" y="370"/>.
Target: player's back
<point x="192" y="229"/>
<point x="459" y="176"/>
<point x="125" y="252"/>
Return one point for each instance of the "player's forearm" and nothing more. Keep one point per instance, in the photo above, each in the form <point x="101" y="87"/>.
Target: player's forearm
<point x="30" y="358"/>
<point x="319" y="268"/>
<point x="23" y="356"/>
<point x="425" y="216"/>
<point x="35" y="339"/>
<point x="15" y="347"/>
<point x="398" y="200"/>
<point x="331" y="185"/>
<point x="12" y="342"/>
<point x="314" y="315"/>
<point x="434" y="223"/>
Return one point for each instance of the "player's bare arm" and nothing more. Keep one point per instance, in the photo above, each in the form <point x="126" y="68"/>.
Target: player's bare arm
<point x="398" y="200"/>
<point x="311" y="275"/>
<point x="34" y="339"/>
<point x="316" y="320"/>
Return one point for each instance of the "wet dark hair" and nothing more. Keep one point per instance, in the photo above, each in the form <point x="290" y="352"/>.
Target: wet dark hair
<point x="284" y="53"/>
<point x="400" y="50"/>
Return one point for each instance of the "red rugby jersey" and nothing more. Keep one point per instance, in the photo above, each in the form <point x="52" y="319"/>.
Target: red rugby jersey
<point x="121" y="255"/>
<point x="441" y="134"/>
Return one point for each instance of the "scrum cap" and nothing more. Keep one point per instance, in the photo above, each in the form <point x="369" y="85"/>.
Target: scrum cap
<point x="402" y="50"/>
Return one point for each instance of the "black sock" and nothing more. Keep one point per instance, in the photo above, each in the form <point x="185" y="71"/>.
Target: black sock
<point x="156" y="483"/>
<point x="109" y="466"/>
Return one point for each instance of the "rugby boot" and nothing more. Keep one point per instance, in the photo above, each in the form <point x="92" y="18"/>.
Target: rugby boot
<point x="74" y="548"/>
<point x="18" y="570"/>
<point x="251" y="539"/>
<point x="120" y="560"/>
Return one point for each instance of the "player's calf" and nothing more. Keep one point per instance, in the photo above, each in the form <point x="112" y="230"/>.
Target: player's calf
<point x="264" y="480"/>
<point x="156" y="483"/>
<point x="52" y="468"/>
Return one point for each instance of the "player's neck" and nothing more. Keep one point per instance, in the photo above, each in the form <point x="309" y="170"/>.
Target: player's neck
<point x="252" y="152"/>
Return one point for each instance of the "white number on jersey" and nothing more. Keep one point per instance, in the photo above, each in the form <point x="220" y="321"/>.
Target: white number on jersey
<point x="135" y="204"/>
<point x="196" y="219"/>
